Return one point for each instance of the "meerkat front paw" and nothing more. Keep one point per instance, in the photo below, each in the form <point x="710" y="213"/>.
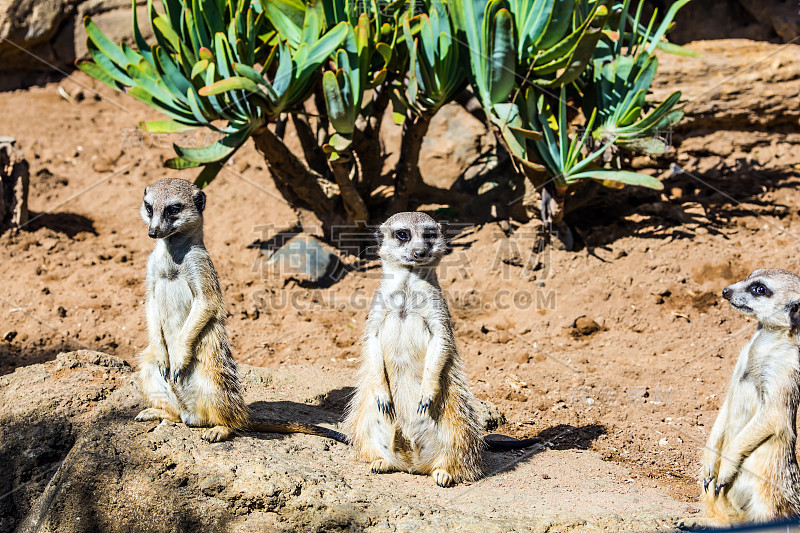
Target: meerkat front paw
<point x="178" y="360"/>
<point x="727" y="472"/>
<point x="442" y="478"/>
<point x="163" y="368"/>
<point x="384" y="403"/>
<point x="425" y="402"/>
<point x="381" y="467"/>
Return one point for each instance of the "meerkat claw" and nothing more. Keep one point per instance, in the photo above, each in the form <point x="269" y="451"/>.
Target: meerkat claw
<point x="718" y="488"/>
<point x="706" y="483"/>
<point x="424" y="404"/>
<point x="163" y="370"/>
<point x="175" y="375"/>
<point x="385" y="407"/>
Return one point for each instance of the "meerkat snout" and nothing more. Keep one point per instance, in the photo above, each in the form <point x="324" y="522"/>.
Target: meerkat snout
<point x="171" y="206"/>
<point x="411" y="239"/>
<point x="770" y="295"/>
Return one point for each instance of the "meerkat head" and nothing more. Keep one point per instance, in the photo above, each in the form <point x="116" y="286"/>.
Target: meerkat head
<point x="172" y="206"/>
<point x="770" y="295"/>
<point x="411" y="239"/>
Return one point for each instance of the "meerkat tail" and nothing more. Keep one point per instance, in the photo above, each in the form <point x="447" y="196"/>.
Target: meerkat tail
<point x="277" y="426"/>
<point x="495" y="445"/>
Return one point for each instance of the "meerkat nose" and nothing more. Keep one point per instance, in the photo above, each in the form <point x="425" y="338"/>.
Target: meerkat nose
<point x="419" y="254"/>
<point x="152" y="233"/>
<point x="727" y="293"/>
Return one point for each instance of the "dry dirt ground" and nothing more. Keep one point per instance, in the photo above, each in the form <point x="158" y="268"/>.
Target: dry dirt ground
<point x="638" y="391"/>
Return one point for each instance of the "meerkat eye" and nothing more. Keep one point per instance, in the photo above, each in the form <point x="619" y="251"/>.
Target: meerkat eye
<point x="402" y="235"/>
<point x="759" y="289"/>
<point x="149" y="209"/>
<point x="174" y="209"/>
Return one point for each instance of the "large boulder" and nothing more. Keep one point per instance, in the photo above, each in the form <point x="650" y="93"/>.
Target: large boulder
<point x="72" y="459"/>
<point x="43" y="38"/>
<point x="764" y="20"/>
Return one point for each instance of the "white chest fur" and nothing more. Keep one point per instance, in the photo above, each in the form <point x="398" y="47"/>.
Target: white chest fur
<point x="169" y="294"/>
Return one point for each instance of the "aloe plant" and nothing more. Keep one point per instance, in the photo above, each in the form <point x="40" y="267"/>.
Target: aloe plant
<point x="566" y="157"/>
<point x="436" y="76"/>
<point x="332" y="67"/>
<point x="619" y="79"/>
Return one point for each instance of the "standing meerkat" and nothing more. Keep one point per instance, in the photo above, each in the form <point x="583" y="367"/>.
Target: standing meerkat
<point x="412" y="409"/>
<point x="749" y="470"/>
<point x="187" y="372"/>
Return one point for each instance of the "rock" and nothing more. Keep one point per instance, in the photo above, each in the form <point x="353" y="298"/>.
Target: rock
<point x="584" y="325"/>
<point x="489" y="415"/>
<point x="737" y="85"/>
<point x="9" y="336"/>
<point x="14" y="181"/>
<point x="38" y="27"/>
<point x="765" y="20"/>
<point x="71" y="464"/>
<point x="308" y="260"/>
<point x="47" y="36"/>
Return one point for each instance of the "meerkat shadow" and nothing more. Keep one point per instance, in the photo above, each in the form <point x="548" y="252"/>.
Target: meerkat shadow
<point x="327" y="409"/>
<point x="560" y="437"/>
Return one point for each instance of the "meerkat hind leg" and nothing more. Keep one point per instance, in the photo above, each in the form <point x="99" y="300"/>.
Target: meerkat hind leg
<point x="381" y="466"/>
<point x="151" y="413"/>
<point x="217" y="433"/>
<point x="442" y="477"/>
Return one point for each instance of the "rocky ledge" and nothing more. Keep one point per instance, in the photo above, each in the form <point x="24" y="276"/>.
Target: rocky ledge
<point x="74" y="460"/>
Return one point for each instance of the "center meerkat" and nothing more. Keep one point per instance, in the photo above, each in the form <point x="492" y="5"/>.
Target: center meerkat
<point x="749" y="470"/>
<point x="187" y="372"/>
<point x="412" y="409"/>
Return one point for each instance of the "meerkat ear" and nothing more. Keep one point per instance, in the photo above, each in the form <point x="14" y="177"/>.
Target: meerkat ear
<point x="200" y="200"/>
<point x="794" y="314"/>
<point x="444" y="229"/>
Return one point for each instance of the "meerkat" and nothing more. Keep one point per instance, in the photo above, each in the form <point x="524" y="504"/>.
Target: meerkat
<point x="412" y="409"/>
<point x="187" y="372"/>
<point x="749" y="471"/>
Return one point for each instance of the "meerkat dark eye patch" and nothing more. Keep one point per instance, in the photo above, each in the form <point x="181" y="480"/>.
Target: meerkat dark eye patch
<point x="430" y="234"/>
<point x="794" y="314"/>
<point x="402" y="235"/>
<point x="173" y="210"/>
<point x="149" y="209"/>
<point x="759" y="289"/>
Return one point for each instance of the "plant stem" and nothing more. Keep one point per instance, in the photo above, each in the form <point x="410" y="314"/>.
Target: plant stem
<point x="311" y="150"/>
<point x="297" y="183"/>
<point x="367" y="141"/>
<point x="353" y="202"/>
<point x="407" y="175"/>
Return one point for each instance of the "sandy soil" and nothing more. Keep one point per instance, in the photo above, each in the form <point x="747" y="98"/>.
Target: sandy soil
<point x="642" y="390"/>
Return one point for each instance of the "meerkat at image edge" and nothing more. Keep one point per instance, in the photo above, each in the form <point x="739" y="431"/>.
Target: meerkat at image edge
<point x="749" y="471"/>
<point x="412" y="410"/>
<point x="187" y="372"/>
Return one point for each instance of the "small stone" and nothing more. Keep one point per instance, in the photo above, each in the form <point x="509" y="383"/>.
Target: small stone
<point x="61" y="312"/>
<point x="307" y="259"/>
<point x="9" y="336"/>
<point x="585" y="325"/>
<point x="488" y="415"/>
